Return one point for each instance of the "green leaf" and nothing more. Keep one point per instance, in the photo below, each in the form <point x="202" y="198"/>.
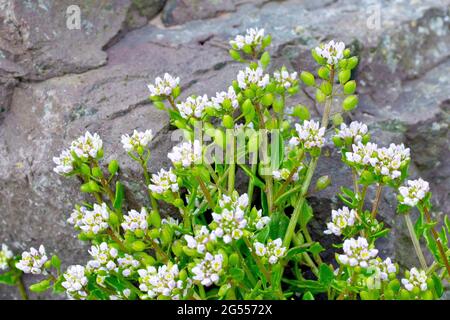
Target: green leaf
<point x="265" y="59"/>
<point x="120" y="193"/>
<point x="306" y="214"/>
<point x="308" y="296"/>
<point x="437" y="285"/>
<point x="56" y="262"/>
<point x="237" y="274"/>
<point x="310" y="285"/>
<point x="316" y="248"/>
<point x="256" y="181"/>
<point x="9" y="278"/>
<point x="296" y="250"/>
<point x="277" y="152"/>
<point x="326" y="274"/>
<point x="41" y="286"/>
<point x="278" y="225"/>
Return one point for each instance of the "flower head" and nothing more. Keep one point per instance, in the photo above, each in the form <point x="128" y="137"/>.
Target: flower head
<point x="250" y="76"/>
<point x="163" y="86"/>
<point x="414" y="192"/>
<point x="135" y="220"/>
<point x="273" y="251"/>
<point x="417" y="278"/>
<point x="164" y="181"/>
<point x="63" y="163"/>
<point x="357" y="253"/>
<point x="331" y="51"/>
<point x="208" y="270"/>
<point x="391" y="160"/>
<point x="74" y="281"/>
<point x="87" y="146"/>
<point x="231" y="220"/>
<point x="283" y="174"/>
<point x="257" y="221"/>
<point x="186" y="154"/>
<point x="103" y="257"/>
<point x="95" y="221"/>
<point x="340" y="219"/>
<point x="363" y="154"/>
<point x="202" y="237"/>
<point x="77" y="215"/>
<point x="253" y="37"/>
<point x="355" y="131"/>
<point x="310" y="134"/>
<point x="163" y="281"/>
<point x="284" y="78"/>
<point x="219" y="100"/>
<point x="33" y="261"/>
<point x="5" y="256"/>
<point x="127" y="264"/>
<point x="137" y="140"/>
<point x="193" y="106"/>
<point x="384" y="268"/>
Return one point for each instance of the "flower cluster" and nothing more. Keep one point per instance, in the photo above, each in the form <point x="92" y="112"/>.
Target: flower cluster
<point x="137" y="141"/>
<point x="231" y="220"/>
<point x="104" y="257"/>
<point x="363" y="154"/>
<point x="357" y="253"/>
<point x="186" y="154"/>
<point x="353" y="132"/>
<point x="193" y="107"/>
<point x="135" y="220"/>
<point x="284" y="78"/>
<point x="310" y="134"/>
<point x="208" y="270"/>
<point x="383" y="267"/>
<point x="163" y="86"/>
<point x="273" y="251"/>
<point x="257" y="221"/>
<point x="391" y="159"/>
<point x="5" y="256"/>
<point x="250" y="76"/>
<point x="89" y="145"/>
<point x="415" y="279"/>
<point x="127" y="264"/>
<point x="164" y="281"/>
<point x="74" y="281"/>
<point x="414" y="192"/>
<point x="253" y="37"/>
<point x="340" y="219"/>
<point x="223" y="98"/>
<point x="164" y="181"/>
<point x="331" y="51"/>
<point x="283" y="174"/>
<point x="94" y="221"/>
<point x="33" y="261"/>
<point x="202" y="237"/>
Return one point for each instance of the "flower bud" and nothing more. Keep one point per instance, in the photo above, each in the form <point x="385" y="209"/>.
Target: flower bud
<point x="337" y="119"/>
<point x="177" y="248"/>
<point x="301" y="112"/>
<point x="318" y="58"/>
<point x="265" y="59"/>
<point x="337" y="141"/>
<point x="225" y="258"/>
<point x="138" y="245"/>
<point x="234" y="259"/>
<point x="278" y="105"/>
<point x="352" y="63"/>
<point x="159" y="105"/>
<point x="155" y="219"/>
<point x="307" y="78"/>
<point x="235" y="55"/>
<point x="344" y="76"/>
<point x="113" y="167"/>
<point x="366" y="138"/>
<point x="285" y="125"/>
<point x="183" y="275"/>
<point x="227" y="121"/>
<point x="350" y="87"/>
<point x="350" y="103"/>
<point x="322" y="183"/>
<point x="323" y="73"/>
<point x="347" y="53"/>
<point x="404" y="295"/>
<point x="113" y="219"/>
<point x="394" y="285"/>
<point x="176" y="92"/>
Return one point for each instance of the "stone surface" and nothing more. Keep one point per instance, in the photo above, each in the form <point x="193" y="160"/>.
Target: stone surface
<point x="56" y="83"/>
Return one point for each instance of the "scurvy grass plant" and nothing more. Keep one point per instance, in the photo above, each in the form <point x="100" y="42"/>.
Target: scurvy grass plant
<point x="221" y="243"/>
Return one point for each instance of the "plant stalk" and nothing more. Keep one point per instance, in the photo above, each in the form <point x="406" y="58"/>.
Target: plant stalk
<point x="415" y="242"/>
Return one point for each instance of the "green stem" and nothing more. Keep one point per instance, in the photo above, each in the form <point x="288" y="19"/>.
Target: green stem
<point x="21" y="287"/>
<point x="206" y="192"/>
<point x="251" y="185"/>
<point x="355" y="181"/>
<point x="376" y="202"/>
<point x="147" y="183"/>
<point x="415" y="242"/>
<point x="257" y="260"/>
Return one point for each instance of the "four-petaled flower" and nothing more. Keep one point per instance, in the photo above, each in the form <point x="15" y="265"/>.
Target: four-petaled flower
<point x="33" y="261"/>
<point x="163" y="86"/>
<point x="331" y="51"/>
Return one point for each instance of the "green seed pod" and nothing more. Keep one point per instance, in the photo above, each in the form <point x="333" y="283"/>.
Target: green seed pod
<point x="350" y="87"/>
<point x="350" y="103"/>
<point x="416" y="291"/>
<point x="427" y="295"/>
<point x="176" y="92"/>
<point x="344" y="76"/>
<point x="85" y="170"/>
<point x="83" y="236"/>
<point x="394" y="285"/>
<point x="337" y="119"/>
<point x="227" y="121"/>
<point x="159" y="105"/>
<point x="235" y="55"/>
<point x="154" y="234"/>
<point x="365" y="295"/>
<point x="320" y="96"/>
<point x="189" y="252"/>
<point x="323" y="73"/>
<point x="285" y="125"/>
<point x="352" y="63"/>
<point x="323" y="182"/>
<point x="139" y="233"/>
<point x="219" y="138"/>
<point x="155" y="219"/>
<point x="145" y="258"/>
<point x="265" y="59"/>
<point x="94" y="186"/>
<point x="347" y="53"/>
<point x="41" y="286"/>
<point x="301" y="112"/>
<point x="227" y="104"/>
<point x="278" y="105"/>
<point x="138" y="245"/>
<point x="113" y="219"/>
<point x="234" y="260"/>
<point x="223" y="290"/>
<point x="366" y="138"/>
<point x="113" y="167"/>
<point x="389" y="294"/>
<point x="166" y="235"/>
<point x="319" y="59"/>
<point x="326" y="88"/>
<point x="404" y="295"/>
<point x="267" y="99"/>
<point x="97" y="172"/>
<point x="85" y="187"/>
<point x="253" y="143"/>
<point x="307" y="78"/>
<point x="247" y="49"/>
<point x="48" y="264"/>
<point x="178" y="203"/>
<point x="249" y="93"/>
<point x="367" y="177"/>
<point x="247" y="107"/>
<point x="266" y="41"/>
<point x="337" y="141"/>
<point x="177" y="248"/>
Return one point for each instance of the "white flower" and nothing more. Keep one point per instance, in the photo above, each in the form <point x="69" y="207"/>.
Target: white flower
<point x="104" y="257"/>
<point x="391" y="160"/>
<point x="417" y="278"/>
<point x="77" y="215"/>
<point x="88" y="145"/>
<point x="135" y="220"/>
<point x="220" y="98"/>
<point x="252" y="76"/>
<point x="163" y="87"/>
<point x="284" y="78"/>
<point x="96" y="220"/>
<point x="186" y="154"/>
<point x="283" y="174"/>
<point x="208" y="270"/>
<point x="5" y="256"/>
<point x="331" y="51"/>
<point x="202" y="237"/>
<point x="384" y="268"/>
<point x="193" y="107"/>
<point x="63" y="163"/>
<point x="74" y="281"/>
<point x="355" y="131"/>
<point x="357" y="253"/>
<point x="230" y="224"/>
<point x="340" y="219"/>
<point x="163" y="281"/>
<point x="127" y="264"/>
<point x="137" y="140"/>
<point x="310" y="134"/>
<point x="414" y="192"/>
<point x="363" y="154"/>
<point x="234" y="201"/>
<point x="164" y="181"/>
<point x="273" y="251"/>
<point x="33" y="261"/>
<point x="258" y="222"/>
<point x="253" y="37"/>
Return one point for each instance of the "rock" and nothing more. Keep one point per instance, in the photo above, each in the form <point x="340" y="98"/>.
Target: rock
<point x="141" y="11"/>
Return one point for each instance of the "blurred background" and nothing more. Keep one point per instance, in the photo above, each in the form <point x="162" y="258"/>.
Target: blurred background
<point x="68" y="66"/>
